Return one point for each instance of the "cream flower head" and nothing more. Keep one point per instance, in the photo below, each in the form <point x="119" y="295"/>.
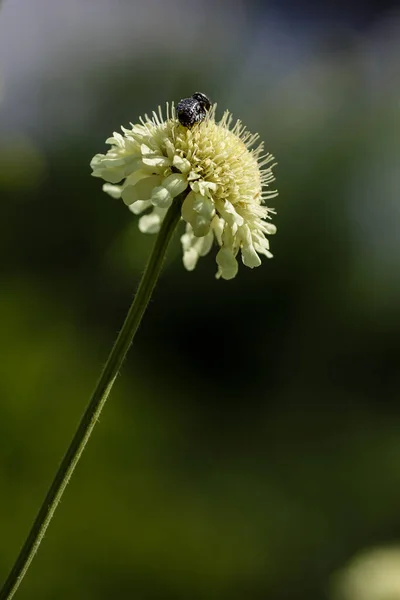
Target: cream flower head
<point x="372" y="575"/>
<point x="224" y="175"/>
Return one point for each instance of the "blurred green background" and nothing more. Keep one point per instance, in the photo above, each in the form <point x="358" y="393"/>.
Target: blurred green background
<point x="252" y="442"/>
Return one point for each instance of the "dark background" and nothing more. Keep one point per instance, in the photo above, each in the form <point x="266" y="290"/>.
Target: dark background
<point x="251" y="445"/>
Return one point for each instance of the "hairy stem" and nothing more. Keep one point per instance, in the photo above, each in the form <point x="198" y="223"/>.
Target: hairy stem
<point x="96" y="403"/>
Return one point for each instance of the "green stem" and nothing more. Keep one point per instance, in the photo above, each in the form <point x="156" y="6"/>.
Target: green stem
<point x="97" y="401"/>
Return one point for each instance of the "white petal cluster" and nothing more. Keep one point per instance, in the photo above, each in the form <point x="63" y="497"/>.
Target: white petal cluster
<point x="225" y="179"/>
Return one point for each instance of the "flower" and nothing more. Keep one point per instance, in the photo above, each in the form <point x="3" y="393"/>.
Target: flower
<point x="372" y="575"/>
<point x="224" y="176"/>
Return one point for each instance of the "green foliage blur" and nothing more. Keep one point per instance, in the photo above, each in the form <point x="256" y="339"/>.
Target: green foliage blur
<point x="251" y="444"/>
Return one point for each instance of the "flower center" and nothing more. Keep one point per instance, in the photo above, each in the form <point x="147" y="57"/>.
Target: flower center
<point x="220" y="157"/>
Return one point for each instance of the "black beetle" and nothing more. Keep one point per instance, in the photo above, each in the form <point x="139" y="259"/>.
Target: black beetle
<point x="193" y="110"/>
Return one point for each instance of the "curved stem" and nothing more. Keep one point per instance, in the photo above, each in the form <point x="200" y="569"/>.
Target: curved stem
<point x="97" y="401"/>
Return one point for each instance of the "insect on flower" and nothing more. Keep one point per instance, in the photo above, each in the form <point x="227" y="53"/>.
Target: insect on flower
<point x="193" y="110"/>
<point x="220" y="166"/>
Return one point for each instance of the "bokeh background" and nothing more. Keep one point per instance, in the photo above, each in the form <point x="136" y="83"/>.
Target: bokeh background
<point x="252" y="443"/>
